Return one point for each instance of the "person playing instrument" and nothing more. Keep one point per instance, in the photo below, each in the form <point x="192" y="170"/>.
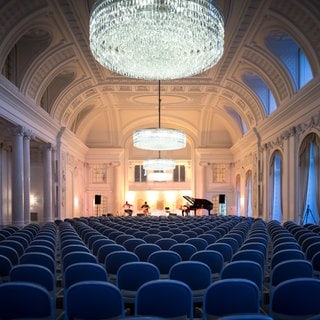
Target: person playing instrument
<point x="185" y="210"/>
<point x="128" y="208"/>
<point x="145" y="208"/>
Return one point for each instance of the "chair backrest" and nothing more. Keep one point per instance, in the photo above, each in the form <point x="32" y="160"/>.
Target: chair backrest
<point x="99" y="300"/>
<point x="83" y="271"/>
<point x="105" y="249"/>
<point x="39" y="258"/>
<point x="164" y="299"/>
<point x="164" y="260"/>
<point x="245" y="269"/>
<point x="224" y="248"/>
<point x="290" y="269"/>
<point x="100" y="242"/>
<point x="185" y="250"/>
<point x="144" y="250"/>
<point x="231" y="241"/>
<point x="197" y="275"/>
<point x="214" y="259"/>
<point x="199" y="243"/>
<point x="10" y="253"/>
<point x="40" y="248"/>
<point x="180" y="237"/>
<point x="255" y="246"/>
<point x="5" y="267"/>
<point x="77" y="256"/>
<point x="73" y="248"/>
<point x="285" y="246"/>
<point x="18" y="301"/>
<point x="132" y="275"/>
<point x="130" y="244"/>
<point x="251" y="255"/>
<point x="312" y="250"/>
<point x="166" y="243"/>
<point x="247" y="317"/>
<point x="210" y="238"/>
<point x="15" y="245"/>
<point x="152" y="237"/>
<point x="295" y="298"/>
<point x="115" y="260"/>
<point x="231" y="296"/>
<point x="34" y="274"/>
<point x="285" y="255"/>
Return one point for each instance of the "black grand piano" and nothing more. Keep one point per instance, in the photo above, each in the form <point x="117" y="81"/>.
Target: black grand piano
<point x="196" y="203"/>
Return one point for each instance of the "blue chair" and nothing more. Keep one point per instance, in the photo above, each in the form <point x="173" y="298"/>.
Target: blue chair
<point x="37" y="274"/>
<point x="180" y="237"/>
<point x="44" y="249"/>
<point x="285" y="246"/>
<point x="73" y="248"/>
<point x="131" y="244"/>
<point x="315" y="261"/>
<point x="43" y="242"/>
<point x="39" y="258"/>
<point x="152" y="238"/>
<point x="25" y="300"/>
<point x="214" y="259"/>
<point x="132" y="275"/>
<point x="210" y="238"/>
<point x="312" y="250"/>
<point x="115" y="260"/>
<point x="290" y="269"/>
<point x="245" y="269"/>
<point x="83" y="271"/>
<point x="144" y="250"/>
<point x="231" y="241"/>
<point x="105" y="249"/>
<point x="5" y="268"/>
<point x="196" y="274"/>
<point x="10" y="253"/>
<point x="185" y="250"/>
<point x="295" y="299"/>
<point x="255" y="246"/>
<point x="251" y="255"/>
<point x="121" y="238"/>
<point x="229" y="297"/>
<point x="164" y="260"/>
<point x="199" y="243"/>
<point x="285" y="255"/>
<point x="166" y="243"/>
<point x="224" y="248"/>
<point x="93" y="300"/>
<point x="15" y="245"/>
<point x="166" y="299"/>
<point x="99" y="243"/>
<point x="77" y="256"/>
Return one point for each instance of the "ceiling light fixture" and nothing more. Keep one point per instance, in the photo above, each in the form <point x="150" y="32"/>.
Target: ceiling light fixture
<point x="159" y="138"/>
<point x="159" y="176"/>
<point x="156" y="39"/>
<point x="159" y="164"/>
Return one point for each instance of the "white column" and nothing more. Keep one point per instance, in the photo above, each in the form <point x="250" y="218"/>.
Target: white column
<point x="17" y="179"/>
<point x="26" y="180"/>
<point x="47" y="184"/>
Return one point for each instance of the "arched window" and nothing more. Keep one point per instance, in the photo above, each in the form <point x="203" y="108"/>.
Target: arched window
<point x="249" y="193"/>
<point x="291" y="56"/>
<point x="238" y="196"/>
<point x="259" y="87"/>
<point x="276" y="187"/>
<point x="309" y="165"/>
<point x="237" y="118"/>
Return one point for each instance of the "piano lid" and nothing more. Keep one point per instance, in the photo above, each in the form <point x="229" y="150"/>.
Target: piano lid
<point x="197" y="202"/>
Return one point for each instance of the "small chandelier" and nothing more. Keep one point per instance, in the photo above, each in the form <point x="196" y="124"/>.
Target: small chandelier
<point x="159" y="138"/>
<point x="158" y="164"/>
<point x="156" y="39"/>
<point x="159" y="176"/>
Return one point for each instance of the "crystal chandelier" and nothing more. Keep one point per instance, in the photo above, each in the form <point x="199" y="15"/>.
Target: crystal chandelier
<point x="159" y="138"/>
<point x="159" y="164"/>
<point x="156" y="39"/>
<point x="159" y="176"/>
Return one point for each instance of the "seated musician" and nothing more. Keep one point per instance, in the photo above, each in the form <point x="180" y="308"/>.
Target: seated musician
<point x="128" y="208"/>
<point x="145" y="208"/>
<point x="185" y="210"/>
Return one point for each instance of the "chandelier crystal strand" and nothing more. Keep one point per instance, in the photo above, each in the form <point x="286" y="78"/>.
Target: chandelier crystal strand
<point x="156" y="39"/>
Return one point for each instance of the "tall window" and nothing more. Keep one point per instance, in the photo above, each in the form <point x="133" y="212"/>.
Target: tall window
<point x="139" y="174"/>
<point x="309" y="178"/>
<point x="179" y="173"/>
<point x="276" y="187"/>
<point x="249" y="193"/>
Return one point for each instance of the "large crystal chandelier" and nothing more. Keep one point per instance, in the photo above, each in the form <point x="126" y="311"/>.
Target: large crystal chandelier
<point x="157" y="39"/>
<point x="159" y="138"/>
<point x="159" y="164"/>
